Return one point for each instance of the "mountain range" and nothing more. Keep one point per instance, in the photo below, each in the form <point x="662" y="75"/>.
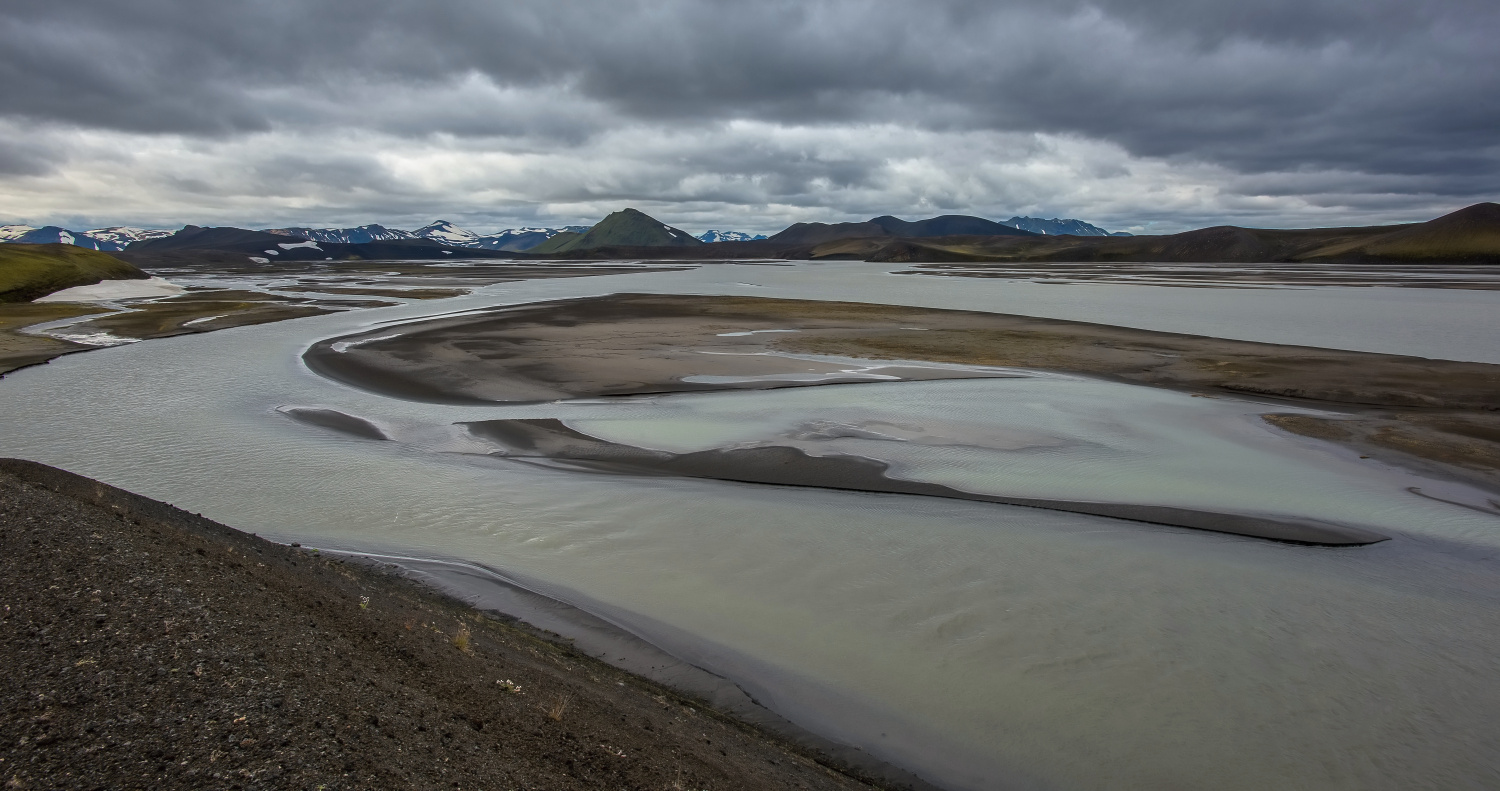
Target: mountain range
<point x="441" y="231"/>
<point x="195" y="246"/>
<point x="888" y="226"/>
<point x="108" y="240"/>
<point x="1470" y="235"/>
<point x="117" y="238"/>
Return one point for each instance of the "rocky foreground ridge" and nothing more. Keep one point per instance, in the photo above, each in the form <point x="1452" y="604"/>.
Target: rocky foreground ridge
<point x="146" y="647"/>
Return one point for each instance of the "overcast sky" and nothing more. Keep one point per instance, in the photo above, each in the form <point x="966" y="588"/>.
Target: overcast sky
<point x="1140" y="115"/>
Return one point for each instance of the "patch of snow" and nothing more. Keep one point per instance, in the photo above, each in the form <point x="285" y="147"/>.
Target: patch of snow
<point x="292" y="246"/>
<point x="257" y="259"/>
<point x="729" y="236"/>
<point x="361" y="235"/>
<point x="119" y="236"/>
<point x="447" y="233"/>
<point x="111" y="290"/>
<point x="1055" y="226"/>
<point x="343" y="346"/>
<point x="273" y="252"/>
<point x="203" y="319"/>
<point x="8" y="232"/>
<point x="64" y="237"/>
<point x="95" y="338"/>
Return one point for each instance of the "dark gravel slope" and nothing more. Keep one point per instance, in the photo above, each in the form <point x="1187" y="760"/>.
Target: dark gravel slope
<point x="144" y="647"/>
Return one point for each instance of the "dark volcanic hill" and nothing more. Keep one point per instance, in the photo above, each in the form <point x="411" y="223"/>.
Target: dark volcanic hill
<point x="1467" y="235"/>
<point x="624" y="228"/>
<point x="1470" y="235"/>
<point x="193" y="237"/>
<point x="946" y="225"/>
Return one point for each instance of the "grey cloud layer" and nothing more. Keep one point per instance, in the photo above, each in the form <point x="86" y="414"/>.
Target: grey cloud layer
<point x="1366" y="98"/>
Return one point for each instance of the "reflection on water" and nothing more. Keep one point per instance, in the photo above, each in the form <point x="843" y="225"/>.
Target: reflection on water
<point x="977" y="644"/>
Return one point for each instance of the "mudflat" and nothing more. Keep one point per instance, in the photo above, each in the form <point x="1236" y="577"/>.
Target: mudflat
<point x="146" y="647"/>
<point x="788" y="466"/>
<point x="628" y="344"/>
<point x="1437" y="414"/>
<point x="18" y="349"/>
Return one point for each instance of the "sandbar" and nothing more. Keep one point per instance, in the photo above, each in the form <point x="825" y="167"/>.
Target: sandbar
<point x="788" y="466"/>
<point x="1434" y="414"/>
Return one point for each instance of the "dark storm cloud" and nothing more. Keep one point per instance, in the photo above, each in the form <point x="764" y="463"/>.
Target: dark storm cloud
<point x="26" y="158"/>
<point x="1398" y="90"/>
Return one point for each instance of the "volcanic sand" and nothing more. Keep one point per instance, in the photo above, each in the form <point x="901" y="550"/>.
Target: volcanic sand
<point x="146" y="647"/>
<point x="1436" y="415"/>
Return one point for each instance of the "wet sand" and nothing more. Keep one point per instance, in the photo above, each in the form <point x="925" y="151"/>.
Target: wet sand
<point x="612" y="346"/>
<point x="787" y="466"/>
<point x="209" y="309"/>
<point x="398" y="293"/>
<point x="1447" y="413"/>
<point x="19" y="350"/>
<point x="194" y="312"/>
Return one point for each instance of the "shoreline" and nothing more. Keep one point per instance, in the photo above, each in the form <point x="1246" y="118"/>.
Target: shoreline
<point x="303" y="604"/>
<point x="575" y="626"/>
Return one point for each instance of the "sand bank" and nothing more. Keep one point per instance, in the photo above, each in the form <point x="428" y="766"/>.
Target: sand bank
<point x="788" y="466"/>
<point x="630" y="344"/>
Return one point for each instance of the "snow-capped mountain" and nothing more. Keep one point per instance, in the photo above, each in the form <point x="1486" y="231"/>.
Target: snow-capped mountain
<point x="360" y="235"/>
<point x="729" y="236"/>
<point x="514" y="239"/>
<point x="441" y="231"/>
<point x="446" y="233"/>
<point x="107" y="239"/>
<point x="25" y="234"/>
<point x="519" y="239"/>
<point x="1056" y="227"/>
<point x="118" y="237"/>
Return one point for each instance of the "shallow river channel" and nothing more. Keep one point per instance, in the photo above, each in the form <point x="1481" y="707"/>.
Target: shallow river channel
<point x="976" y="645"/>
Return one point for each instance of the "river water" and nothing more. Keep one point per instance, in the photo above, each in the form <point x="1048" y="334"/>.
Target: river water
<point x="977" y="645"/>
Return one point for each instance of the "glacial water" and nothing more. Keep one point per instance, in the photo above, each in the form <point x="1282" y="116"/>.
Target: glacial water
<point x="980" y="646"/>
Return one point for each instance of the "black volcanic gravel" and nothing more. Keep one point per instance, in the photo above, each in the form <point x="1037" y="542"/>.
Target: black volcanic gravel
<point x="144" y="647"/>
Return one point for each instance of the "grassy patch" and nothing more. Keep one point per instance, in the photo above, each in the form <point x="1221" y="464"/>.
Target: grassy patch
<point x="28" y="271"/>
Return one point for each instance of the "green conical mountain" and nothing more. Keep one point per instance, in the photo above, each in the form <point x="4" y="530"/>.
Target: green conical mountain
<point x="28" y="271"/>
<point x="557" y="243"/>
<point x="624" y="228"/>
